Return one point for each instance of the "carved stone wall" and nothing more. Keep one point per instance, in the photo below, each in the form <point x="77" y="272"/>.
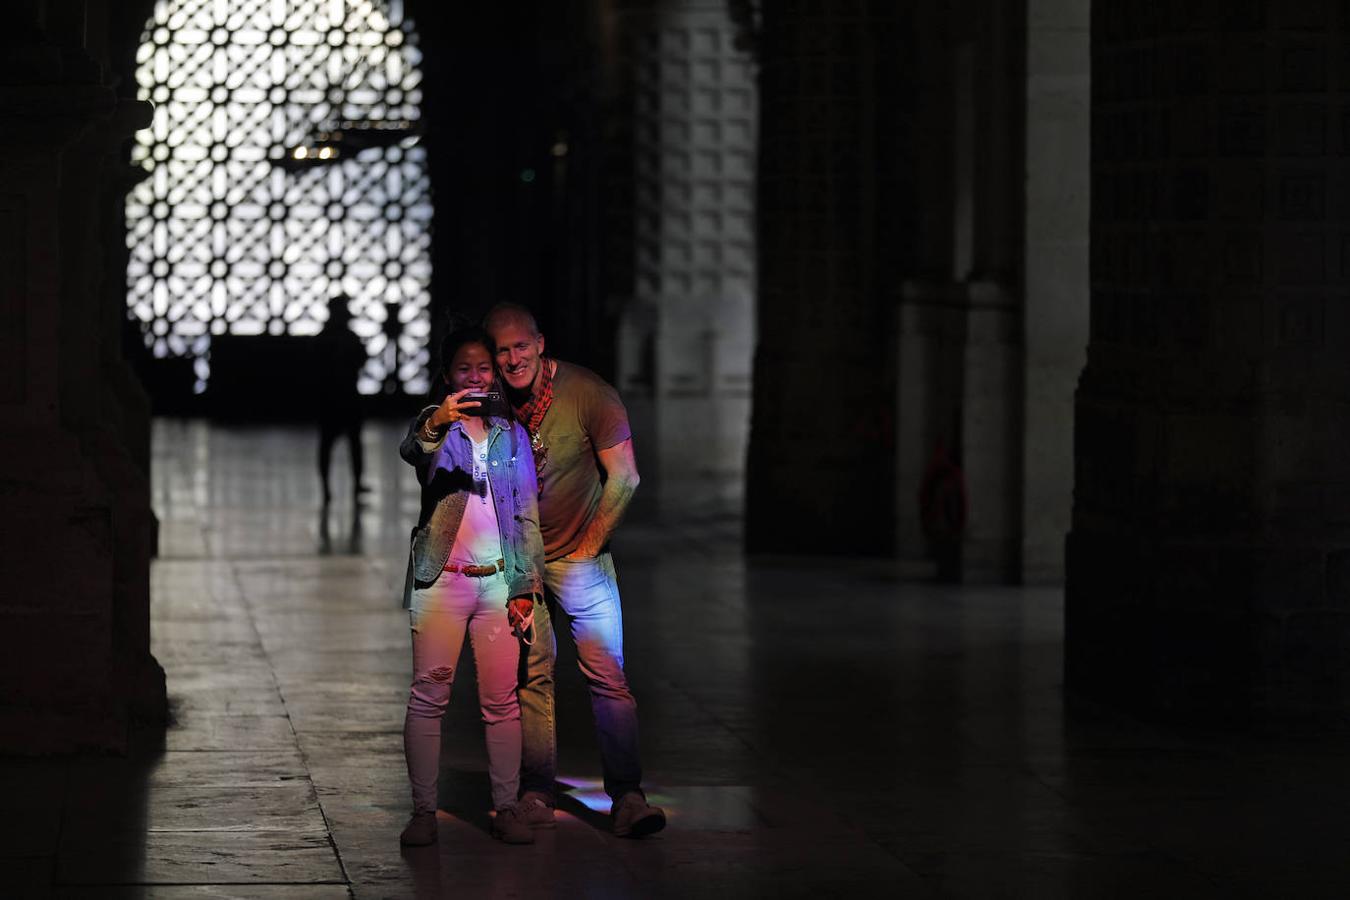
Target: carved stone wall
<point x="687" y="335"/>
<point x="1207" y="567"/>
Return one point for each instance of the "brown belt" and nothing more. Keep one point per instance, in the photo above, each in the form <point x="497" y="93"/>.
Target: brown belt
<point x="477" y="571"/>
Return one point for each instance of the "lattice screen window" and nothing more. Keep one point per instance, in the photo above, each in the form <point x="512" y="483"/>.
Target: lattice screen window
<point x="238" y="229"/>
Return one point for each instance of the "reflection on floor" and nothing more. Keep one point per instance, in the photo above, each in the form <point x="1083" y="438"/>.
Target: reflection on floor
<point x="814" y="728"/>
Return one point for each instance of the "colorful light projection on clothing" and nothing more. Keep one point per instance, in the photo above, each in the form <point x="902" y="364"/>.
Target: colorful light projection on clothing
<point x="247" y="222"/>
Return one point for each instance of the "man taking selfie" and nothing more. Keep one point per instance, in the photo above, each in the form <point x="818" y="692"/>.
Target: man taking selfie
<point x="583" y="453"/>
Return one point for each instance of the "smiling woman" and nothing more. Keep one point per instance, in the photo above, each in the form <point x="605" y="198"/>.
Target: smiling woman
<point x="283" y="170"/>
<point x="474" y="568"/>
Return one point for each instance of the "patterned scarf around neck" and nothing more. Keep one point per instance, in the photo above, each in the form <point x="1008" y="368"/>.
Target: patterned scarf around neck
<point x="531" y="413"/>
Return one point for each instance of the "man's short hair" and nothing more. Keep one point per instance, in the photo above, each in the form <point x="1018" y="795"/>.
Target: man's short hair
<point x="510" y="312"/>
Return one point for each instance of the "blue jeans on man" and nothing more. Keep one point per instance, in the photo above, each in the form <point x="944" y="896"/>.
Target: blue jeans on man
<point x="586" y="592"/>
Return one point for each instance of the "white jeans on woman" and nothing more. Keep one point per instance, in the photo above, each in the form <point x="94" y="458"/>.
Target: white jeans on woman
<point x="440" y="615"/>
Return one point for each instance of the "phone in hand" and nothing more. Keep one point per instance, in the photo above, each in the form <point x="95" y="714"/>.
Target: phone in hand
<point x="489" y="404"/>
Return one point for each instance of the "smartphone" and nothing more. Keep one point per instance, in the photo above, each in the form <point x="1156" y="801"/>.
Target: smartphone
<point x="489" y="404"/>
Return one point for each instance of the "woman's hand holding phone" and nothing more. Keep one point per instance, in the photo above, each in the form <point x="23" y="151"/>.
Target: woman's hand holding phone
<point x="452" y="409"/>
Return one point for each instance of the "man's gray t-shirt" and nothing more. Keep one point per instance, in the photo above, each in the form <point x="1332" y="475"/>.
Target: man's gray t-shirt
<point x="586" y="416"/>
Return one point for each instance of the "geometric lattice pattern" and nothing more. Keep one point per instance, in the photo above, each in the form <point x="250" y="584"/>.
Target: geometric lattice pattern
<point x="227" y="234"/>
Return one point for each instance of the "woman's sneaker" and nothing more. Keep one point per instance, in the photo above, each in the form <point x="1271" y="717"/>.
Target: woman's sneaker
<point x="633" y="817"/>
<point x="534" y="808"/>
<point x="421" y="830"/>
<point x="510" y="826"/>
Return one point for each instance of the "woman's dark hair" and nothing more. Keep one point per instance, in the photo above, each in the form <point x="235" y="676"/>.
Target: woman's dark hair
<point x="450" y="344"/>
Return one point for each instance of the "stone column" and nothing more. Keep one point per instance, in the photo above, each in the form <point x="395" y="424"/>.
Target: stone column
<point x="960" y="314"/>
<point x="836" y="216"/>
<point x="1055" y="328"/>
<point x="78" y="531"/>
<point x="686" y="338"/>
<point x="1209" y="562"/>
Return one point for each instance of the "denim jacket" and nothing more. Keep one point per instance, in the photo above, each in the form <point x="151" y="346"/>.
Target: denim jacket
<point x="445" y="471"/>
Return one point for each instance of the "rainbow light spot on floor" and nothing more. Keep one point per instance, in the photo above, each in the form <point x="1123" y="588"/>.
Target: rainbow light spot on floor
<point x="590" y="792"/>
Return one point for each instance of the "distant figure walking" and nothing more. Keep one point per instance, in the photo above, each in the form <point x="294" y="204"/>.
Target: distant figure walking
<point x="340" y="357"/>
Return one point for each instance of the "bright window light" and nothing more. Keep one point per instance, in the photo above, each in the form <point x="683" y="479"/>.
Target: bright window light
<point x="242" y="226"/>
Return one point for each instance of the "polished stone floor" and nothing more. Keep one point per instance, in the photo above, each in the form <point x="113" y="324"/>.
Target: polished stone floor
<point x="814" y="728"/>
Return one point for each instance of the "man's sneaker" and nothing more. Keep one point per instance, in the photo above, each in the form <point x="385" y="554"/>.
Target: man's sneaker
<point x="535" y="810"/>
<point x="634" y="818"/>
<point x="511" y="827"/>
<point x="421" y="830"/>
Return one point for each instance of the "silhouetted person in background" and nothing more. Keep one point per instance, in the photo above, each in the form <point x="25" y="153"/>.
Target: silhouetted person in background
<point x="340" y="357"/>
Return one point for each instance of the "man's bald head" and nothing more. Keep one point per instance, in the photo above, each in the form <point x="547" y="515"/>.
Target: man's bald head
<point x="510" y="314"/>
